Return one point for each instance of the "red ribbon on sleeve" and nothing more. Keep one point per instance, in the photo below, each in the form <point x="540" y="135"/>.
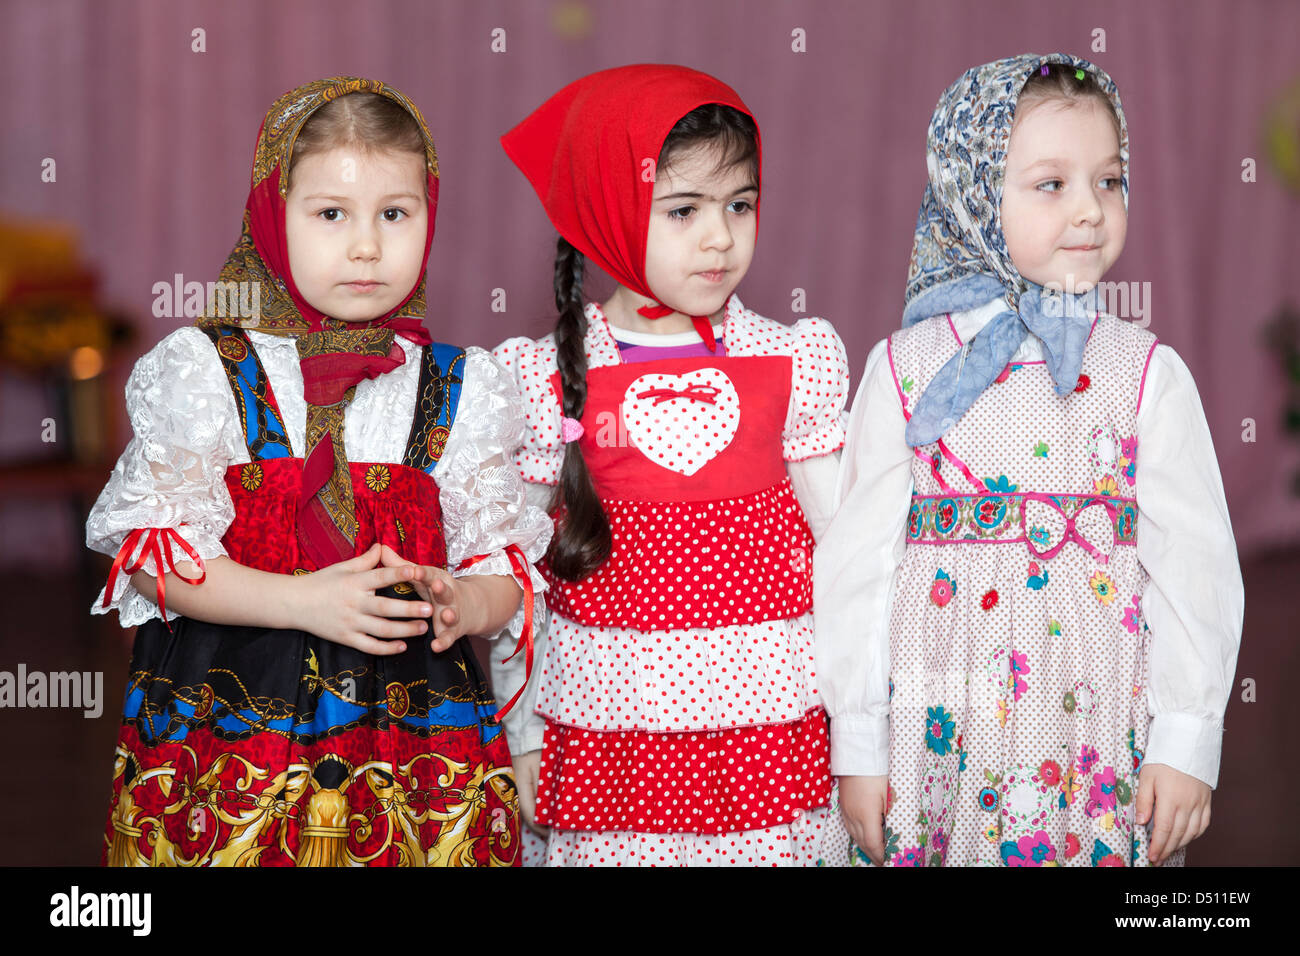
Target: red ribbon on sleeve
<point x="157" y="544"/>
<point x="520" y="565"/>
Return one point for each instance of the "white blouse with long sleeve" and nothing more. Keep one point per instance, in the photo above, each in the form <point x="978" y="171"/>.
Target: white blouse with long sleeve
<point x="187" y="433"/>
<point x="1193" y="603"/>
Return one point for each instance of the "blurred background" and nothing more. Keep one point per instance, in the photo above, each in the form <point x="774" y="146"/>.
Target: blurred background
<point x="126" y="139"/>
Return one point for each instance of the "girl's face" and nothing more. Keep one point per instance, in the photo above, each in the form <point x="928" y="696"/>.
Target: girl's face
<point x="1063" y="212"/>
<point x="702" y="229"/>
<point x="356" y="225"/>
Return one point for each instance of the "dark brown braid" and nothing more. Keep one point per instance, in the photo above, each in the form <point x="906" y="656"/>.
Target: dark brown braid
<point x="582" y="541"/>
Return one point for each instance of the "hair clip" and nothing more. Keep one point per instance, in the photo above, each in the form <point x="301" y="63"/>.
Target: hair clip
<point x="1043" y="70"/>
<point x="570" y="429"/>
<point x="1078" y="75"/>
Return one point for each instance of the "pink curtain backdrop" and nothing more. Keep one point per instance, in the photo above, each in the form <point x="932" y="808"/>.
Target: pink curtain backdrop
<point x="153" y="144"/>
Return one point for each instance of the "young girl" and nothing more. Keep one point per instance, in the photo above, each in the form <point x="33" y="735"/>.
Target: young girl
<point x="1037" y="482"/>
<point x="682" y="724"/>
<point x="287" y="466"/>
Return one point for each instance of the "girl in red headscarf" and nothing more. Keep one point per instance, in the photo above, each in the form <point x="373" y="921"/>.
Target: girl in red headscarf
<point x="681" y="440"/>
<point x="306" y="467"/>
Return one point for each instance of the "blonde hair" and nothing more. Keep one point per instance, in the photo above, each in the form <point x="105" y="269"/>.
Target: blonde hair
<point x="364" y="121"/>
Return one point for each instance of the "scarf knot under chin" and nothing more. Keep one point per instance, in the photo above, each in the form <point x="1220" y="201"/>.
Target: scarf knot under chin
<point x="334" y="361"/>
<point x="1061" y="321"/>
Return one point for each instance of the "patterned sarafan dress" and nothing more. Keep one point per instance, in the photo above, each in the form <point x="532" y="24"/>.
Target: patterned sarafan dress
<point x="250" y="746"/>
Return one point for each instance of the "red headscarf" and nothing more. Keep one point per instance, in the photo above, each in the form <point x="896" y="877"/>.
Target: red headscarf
<point x="334" y="355"/>
<point x="590" y="153"/>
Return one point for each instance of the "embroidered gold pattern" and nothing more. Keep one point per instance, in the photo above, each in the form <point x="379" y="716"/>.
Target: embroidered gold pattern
<point x="438" y="441"/>
<point x="399" y="701"/>
<point x="250" y="476"/>
<point x="378" y="478"/>
<point x="232" y="347"/>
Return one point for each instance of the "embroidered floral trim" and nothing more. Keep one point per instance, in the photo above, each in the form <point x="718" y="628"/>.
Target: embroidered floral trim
<point x="1000" y="517"/>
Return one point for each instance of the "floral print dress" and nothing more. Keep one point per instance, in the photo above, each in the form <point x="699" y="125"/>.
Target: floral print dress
<point x="1017" y="640"/>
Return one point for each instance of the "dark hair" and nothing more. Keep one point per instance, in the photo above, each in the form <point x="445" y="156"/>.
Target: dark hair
<point x="583" y="540"/>
<point x="1063" y="85"/>
<point x="366" y="121"/>
<point x="732" y="133"/>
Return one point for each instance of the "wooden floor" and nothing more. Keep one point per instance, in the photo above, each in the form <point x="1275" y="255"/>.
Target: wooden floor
<point x="54" y="798"/>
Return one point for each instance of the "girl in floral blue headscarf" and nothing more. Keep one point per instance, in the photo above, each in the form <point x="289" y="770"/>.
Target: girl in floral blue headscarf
<point x="1024" y="640"/>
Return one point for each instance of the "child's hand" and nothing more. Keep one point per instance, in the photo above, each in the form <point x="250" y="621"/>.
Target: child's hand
<point x="862" y="805"/>
<point x="527" y="768"/>
<point x="1182" y="808"/>
<point x="338" y="603"/>
<point x="447" y="595"/>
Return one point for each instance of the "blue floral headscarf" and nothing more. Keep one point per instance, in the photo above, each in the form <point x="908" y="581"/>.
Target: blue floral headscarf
<point x="959" y="255"/>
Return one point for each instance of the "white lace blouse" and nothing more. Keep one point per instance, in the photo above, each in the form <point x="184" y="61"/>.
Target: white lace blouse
<point x="187" y="432"/>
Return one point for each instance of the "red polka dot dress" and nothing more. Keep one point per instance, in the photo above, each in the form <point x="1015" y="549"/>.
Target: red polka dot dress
<point x="683" y="724"/>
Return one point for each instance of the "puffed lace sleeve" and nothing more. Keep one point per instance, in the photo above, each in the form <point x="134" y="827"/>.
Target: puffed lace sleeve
<point x="172" y="473"/>
<point x="854" y="569"/>
<point x="531" y="364"/>
<point x="819" y="387"/>
<point x="482" y="496"/>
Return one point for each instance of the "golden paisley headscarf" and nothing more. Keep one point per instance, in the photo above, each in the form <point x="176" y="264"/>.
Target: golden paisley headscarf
<point x="335" y="355"/>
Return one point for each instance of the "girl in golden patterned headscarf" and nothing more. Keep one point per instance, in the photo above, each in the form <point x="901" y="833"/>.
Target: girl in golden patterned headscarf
<point x="335" y="352"/>
<point x="305" y="454"/>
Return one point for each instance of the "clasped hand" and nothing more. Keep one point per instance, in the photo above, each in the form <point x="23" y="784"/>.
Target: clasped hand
<point x="339" y="603"/>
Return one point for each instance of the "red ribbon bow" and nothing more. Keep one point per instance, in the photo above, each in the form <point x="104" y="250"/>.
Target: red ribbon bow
<point x="157" y="544"/>
<point x="520" y="565"/>
<point x="696" y="393"/>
